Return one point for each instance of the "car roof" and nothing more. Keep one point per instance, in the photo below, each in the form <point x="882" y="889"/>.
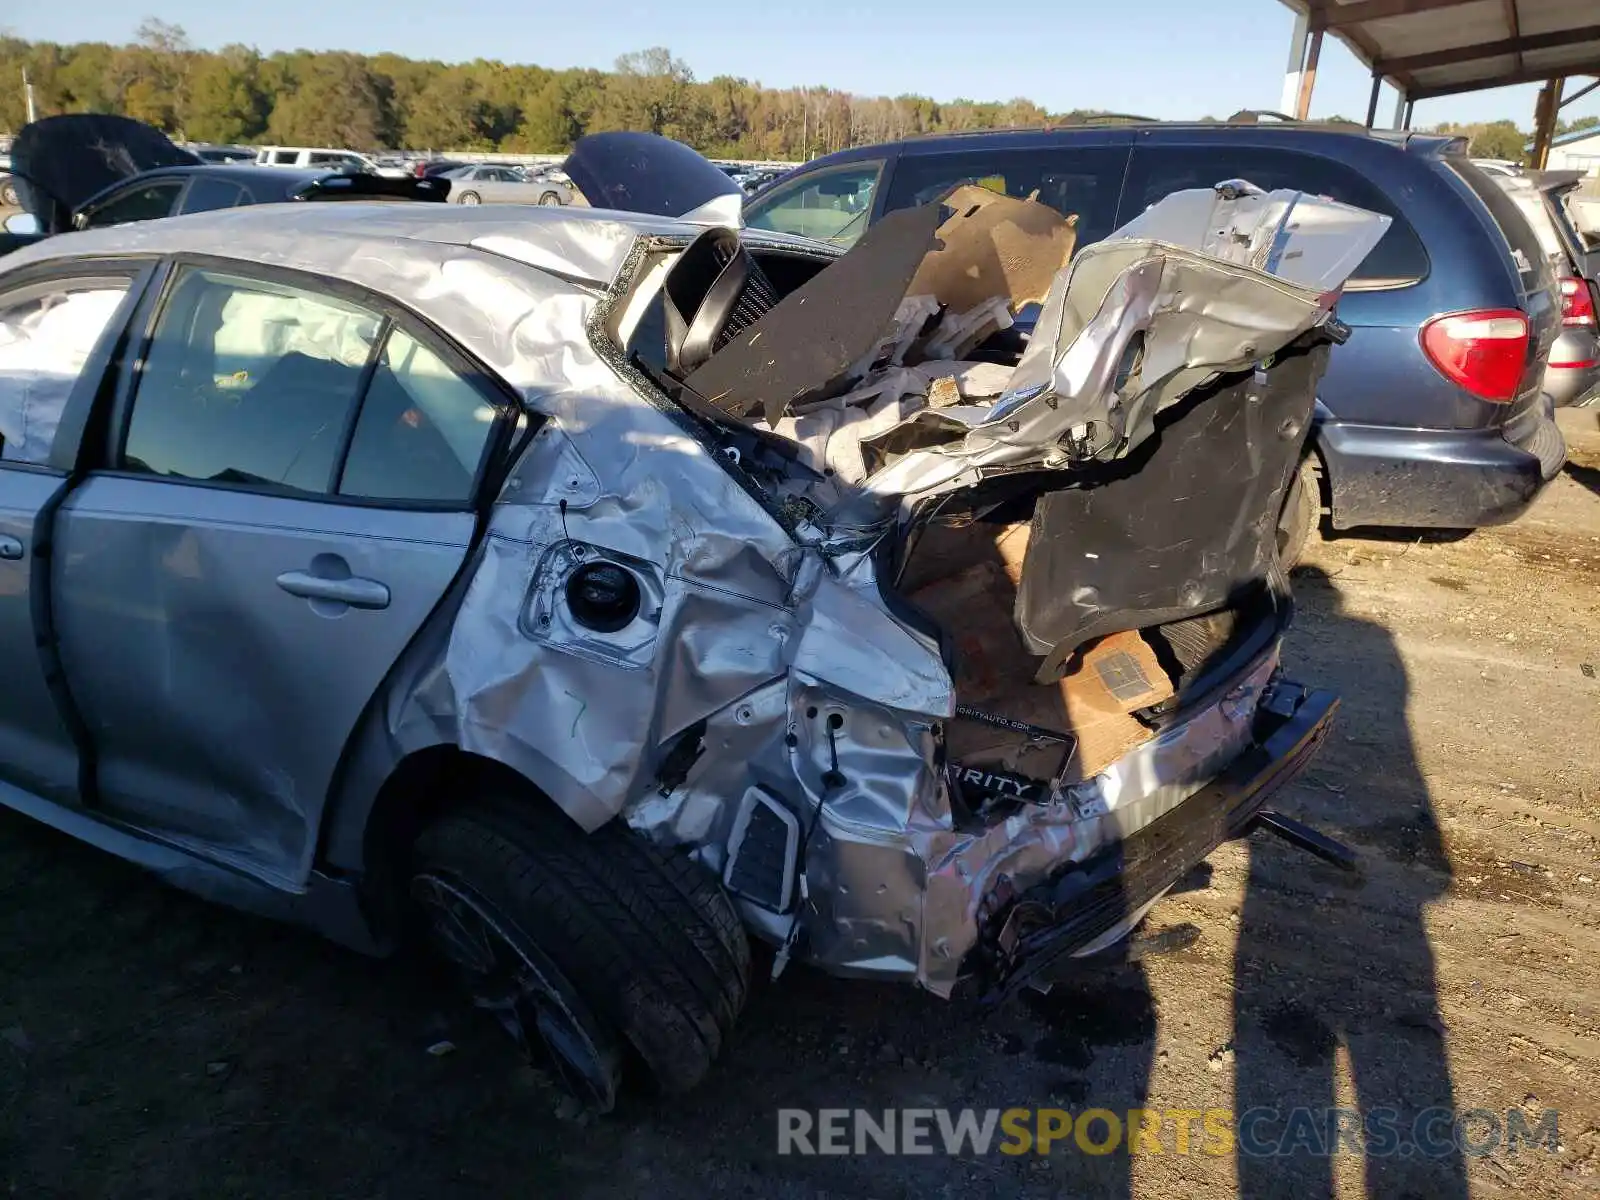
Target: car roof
<point x="1036" y="137"/>
<point x="261" y="182"/>
<point x="586" y="245"/>
<point x="235" y="172"/>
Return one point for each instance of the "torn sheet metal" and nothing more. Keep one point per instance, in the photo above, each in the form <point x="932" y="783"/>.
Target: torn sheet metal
<point x="1132" y="325"/>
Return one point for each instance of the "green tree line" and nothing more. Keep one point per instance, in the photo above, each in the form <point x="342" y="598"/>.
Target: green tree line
<point x="333" y="98"/>
<point x="305" y="97"/>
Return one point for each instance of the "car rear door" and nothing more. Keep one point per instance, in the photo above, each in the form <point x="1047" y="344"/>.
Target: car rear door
<point x="289" y="491"/>
<point x="57" y="326"/>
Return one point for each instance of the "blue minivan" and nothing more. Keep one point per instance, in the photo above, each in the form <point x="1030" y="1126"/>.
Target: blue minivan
<point x="1431" y="415"/>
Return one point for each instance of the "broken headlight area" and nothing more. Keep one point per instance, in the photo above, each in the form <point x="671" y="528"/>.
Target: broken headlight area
<point x="1043" y="484"/>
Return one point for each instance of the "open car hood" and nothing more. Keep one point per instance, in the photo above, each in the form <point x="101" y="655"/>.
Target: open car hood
<point x="646" y="173"/>
<point x="60" y="162"/>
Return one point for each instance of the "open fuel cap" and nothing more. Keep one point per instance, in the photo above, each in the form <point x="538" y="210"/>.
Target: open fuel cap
<point x="603" y="596"/>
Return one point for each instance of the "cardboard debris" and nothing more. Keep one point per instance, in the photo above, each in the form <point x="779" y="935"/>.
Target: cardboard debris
<point x="995" y="245"/>
<point x="971" y="593"/>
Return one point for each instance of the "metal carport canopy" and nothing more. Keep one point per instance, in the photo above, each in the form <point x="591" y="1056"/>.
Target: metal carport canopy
<point x="1429" y="48"/>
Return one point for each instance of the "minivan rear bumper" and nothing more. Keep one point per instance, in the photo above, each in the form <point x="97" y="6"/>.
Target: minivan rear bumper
<point x="1439" y="478"/>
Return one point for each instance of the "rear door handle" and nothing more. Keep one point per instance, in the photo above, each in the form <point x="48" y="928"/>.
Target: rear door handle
<point x="10" y="549"/>
<point x="357" y="593"/>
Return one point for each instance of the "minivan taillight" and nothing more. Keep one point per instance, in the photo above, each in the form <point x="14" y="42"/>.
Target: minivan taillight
<point x="1484" y="352"/>
<point x="1577" y="302"/>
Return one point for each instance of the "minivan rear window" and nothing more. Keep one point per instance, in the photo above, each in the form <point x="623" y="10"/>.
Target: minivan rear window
<point x="1395" y="261"/>
<point x="1083" y="182"/>
<point x="1532" y="266"/>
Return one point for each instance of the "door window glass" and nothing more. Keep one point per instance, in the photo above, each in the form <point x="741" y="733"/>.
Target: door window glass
<point x="832" y="205"/>
<point x="249" y="382"/>
<point x="422" y="429"/>
<point x="1083" y="182"/>
<point x="145" y="203"/>
<point x="206" y="194"/>
<point x="1397" y="259"/>
<point x="286" y="158"/>
<point x="46" y="336"/>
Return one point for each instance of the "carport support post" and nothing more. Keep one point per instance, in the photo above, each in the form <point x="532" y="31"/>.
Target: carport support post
<point x="1545" y="111"/>
<point x="1399" y="111"/>
<point x="1372" y="101"/>
<point x="1411" y="107"/>
<point x="1297" y="58"/>
<point x="1302" y="104"/>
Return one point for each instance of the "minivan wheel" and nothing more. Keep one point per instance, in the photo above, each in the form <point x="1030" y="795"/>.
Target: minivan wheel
<point x="572" y="939"/>
<point x="1302" y="512"/>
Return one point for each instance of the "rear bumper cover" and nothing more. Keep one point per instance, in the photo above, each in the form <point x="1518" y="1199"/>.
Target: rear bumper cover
<point x="1572" y="376"/>
<point x="1439" y="478"/>
<point x="1572" y="387"/>
<point x="924" y="901"/>
<point x="1057" y="918"/>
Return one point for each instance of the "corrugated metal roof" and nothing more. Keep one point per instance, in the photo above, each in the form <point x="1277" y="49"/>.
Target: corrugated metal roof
<point x="1440" y="47"/>
<point x="1576" y="135"/>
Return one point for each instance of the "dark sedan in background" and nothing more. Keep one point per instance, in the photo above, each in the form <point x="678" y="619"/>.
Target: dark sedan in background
<point x="86" y="171"/>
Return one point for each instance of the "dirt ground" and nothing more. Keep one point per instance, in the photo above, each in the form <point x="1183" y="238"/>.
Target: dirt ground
<point x="151" y="1045"/>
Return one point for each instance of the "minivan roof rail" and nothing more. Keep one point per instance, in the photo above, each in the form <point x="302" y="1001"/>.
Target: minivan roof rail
<point x="1045" y="126"/>
<point x="1114" y="118"/>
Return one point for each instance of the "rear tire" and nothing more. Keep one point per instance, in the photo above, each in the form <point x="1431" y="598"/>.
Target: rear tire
<point x="647" y="939"/>
<point x="470" y="198"/>
<point x="1302" y="512"/>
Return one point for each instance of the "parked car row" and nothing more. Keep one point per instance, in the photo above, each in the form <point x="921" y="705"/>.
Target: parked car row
<point x="490" y="183"/>
<point x="1435" y="413"/>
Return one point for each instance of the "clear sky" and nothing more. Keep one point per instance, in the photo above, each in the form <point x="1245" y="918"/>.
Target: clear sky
<point x="1160" y="58"/>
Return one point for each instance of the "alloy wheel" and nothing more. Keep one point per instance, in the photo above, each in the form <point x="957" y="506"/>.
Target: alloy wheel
<point x="523" y="990"/>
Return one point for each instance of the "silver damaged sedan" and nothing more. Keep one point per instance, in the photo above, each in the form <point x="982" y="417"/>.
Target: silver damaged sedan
<point x="613" y="589"/>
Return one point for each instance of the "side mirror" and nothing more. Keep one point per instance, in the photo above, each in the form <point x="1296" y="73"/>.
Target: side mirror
<point x="23" y="224"/>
